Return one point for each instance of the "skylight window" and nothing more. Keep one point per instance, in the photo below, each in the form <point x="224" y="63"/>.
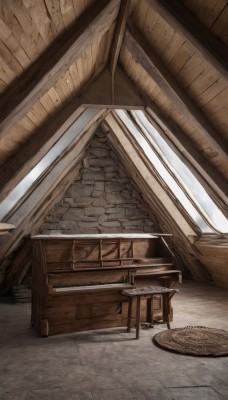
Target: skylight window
<point x="21" y="189"/>
<point x="176" y="175"/>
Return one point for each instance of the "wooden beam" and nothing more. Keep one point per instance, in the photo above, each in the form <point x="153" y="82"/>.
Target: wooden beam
<point x="32" y="207"/>
<point x="117" y="41"/>
<point x="152" y="184"/>
<point x="42" y="140"/>
<point x="71" y="135"/>
<point x="200" y="37"/>
<point x="142" y="53"/>
<point x="185" y="249"/>
<point x="118" y="35"/>
<point x="45" y="72"/>
<point x="95" y="93"/>
<point x="214" y="183"/>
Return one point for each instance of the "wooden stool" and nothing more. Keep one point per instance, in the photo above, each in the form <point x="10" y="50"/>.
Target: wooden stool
<point x="148" y="293"/>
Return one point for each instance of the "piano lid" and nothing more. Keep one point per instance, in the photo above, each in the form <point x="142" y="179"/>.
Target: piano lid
<point x="103" y="236"/>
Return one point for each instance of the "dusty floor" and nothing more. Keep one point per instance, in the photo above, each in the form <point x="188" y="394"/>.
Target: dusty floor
<point x="111" y="364"/>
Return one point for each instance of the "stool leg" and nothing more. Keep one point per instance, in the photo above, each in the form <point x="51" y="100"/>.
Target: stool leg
<point x="166" y="308"/>
<point x="149" y="310"/>
<point x="130" y="300"/>
<point x="138" y="312"/>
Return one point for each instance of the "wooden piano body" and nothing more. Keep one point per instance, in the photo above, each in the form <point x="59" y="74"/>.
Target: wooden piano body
<point x="77" y="279"/>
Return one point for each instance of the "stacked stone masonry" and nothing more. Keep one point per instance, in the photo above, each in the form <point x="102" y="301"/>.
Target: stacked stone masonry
<point x="102" y="199"/>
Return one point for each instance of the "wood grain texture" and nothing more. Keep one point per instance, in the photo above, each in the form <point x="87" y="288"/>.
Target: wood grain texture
<point x="40" y="79"/>
<point x="200" y="38"/>
<point x="143" y="54"/>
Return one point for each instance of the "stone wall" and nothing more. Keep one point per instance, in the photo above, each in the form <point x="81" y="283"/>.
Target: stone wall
<point x="102" y="199"/>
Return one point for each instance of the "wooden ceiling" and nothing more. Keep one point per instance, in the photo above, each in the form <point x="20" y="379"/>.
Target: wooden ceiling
<point x="59" y="56"/>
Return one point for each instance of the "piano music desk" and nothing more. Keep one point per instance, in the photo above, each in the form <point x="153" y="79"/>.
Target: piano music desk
<point x="148" y="293"/>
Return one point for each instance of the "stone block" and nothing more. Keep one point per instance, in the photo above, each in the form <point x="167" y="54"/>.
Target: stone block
<point x="100" y="142"/>
<point x="101" y="162"/>
<point x="68" y="200"/>
<point x="71" y="225"/>
<point x="73" y="214"/>
<point x="134" y="222"/>
<point x="93" y="176"/>
<point x="99" y="152"/>
<point x="102" y="218"/>
<point x="148" y="229"/>
<point x="110" y="230"/>
<point x="123" y="180"/>
<point x="59" y="209"/>
<point x="135" y="212"/>
<point x="113" y="168"/>
<point x="111" y="224"/>
<point x="79" y="189"/>
<point x="97" y="193"/>
<point x="88" y="230"/>
<point x="49" y="225"/>
<point x="122" y="172"/>
<point x="113" y="217"/>
<point x="82" y="202"/>
<point x="99" y="186"/>
<point x="51" y="232"/>
<point x="89" y="219"/>
<point x="100" y="134"/>
<point x="52" y="218"/>
<point x="84" y="224"/>
<point x="111" y="175"/>
<point x="99" y="202"/>
<point x="113" y="187"/>
<point x="94" y="211"/>
<point x="115" y="210"/>
<point x="114" y="198"/>
<point x="127" y="194"/>
<point x="149" y="222"/>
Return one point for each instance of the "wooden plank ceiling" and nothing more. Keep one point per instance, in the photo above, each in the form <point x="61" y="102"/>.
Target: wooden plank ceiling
<point x="52" y="52"/>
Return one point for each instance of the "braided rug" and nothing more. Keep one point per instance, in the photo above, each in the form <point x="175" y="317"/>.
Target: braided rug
<point x="194" y="340"/>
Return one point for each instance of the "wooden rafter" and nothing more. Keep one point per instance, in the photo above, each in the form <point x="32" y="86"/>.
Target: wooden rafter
<point x="175" y="136"/>
<point x="41" y="76"/>
<point x="73" y="126"/>
<point x="40" y="197"/>
<point x="152" y="184"/>
<point x="118" y="35"/>
<point x="142" y="53"/>
<point x="201" y="38"/>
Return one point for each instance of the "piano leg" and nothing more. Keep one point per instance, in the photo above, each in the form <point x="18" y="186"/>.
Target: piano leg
<point x="44" y="327"/>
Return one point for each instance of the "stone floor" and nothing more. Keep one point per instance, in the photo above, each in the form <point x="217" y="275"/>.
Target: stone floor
<point x="111" y="364"/>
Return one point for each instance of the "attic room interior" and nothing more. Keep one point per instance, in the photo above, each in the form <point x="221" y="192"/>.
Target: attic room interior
<point x="113" y="199"/>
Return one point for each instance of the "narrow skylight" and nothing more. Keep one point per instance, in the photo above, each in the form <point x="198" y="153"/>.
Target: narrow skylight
<point x="70" y="135"/>
<point x="183" y="175"/>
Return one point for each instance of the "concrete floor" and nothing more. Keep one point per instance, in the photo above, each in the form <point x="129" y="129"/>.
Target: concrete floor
<point x="111" y="364"/>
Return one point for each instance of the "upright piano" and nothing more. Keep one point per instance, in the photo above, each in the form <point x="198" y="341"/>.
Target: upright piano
<point x="77" y="279"/>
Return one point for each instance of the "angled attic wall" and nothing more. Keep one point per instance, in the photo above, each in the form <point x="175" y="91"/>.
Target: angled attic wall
<point x="102" y="199"/>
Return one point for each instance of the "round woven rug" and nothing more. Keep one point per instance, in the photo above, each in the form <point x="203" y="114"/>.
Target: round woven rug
<point x="194" y="340"/>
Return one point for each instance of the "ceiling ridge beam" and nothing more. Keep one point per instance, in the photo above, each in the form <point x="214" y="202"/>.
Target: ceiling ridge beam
<point x="43" y="74"/>
<point x="118" y="38"/>
<point x="119" y="33"/>
<point x="200" y="37"/>
<point x="143" y="54"/>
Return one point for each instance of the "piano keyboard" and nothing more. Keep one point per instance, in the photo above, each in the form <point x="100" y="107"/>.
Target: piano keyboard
<point x="90" y="287"/>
